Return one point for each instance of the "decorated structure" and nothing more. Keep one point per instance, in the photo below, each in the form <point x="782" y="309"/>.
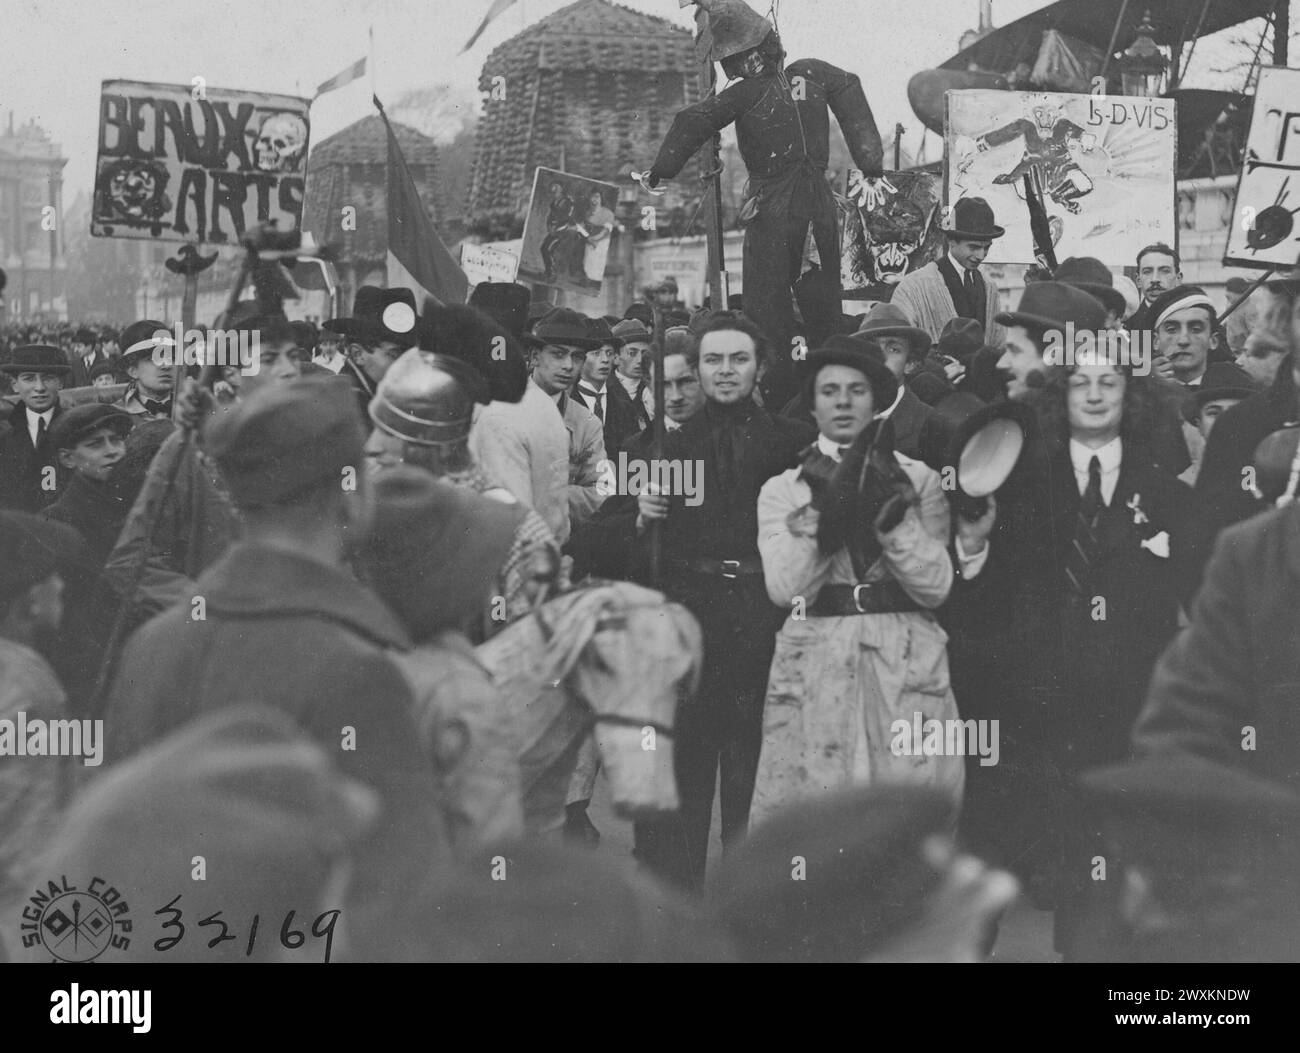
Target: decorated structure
<point x="590" y="89"/>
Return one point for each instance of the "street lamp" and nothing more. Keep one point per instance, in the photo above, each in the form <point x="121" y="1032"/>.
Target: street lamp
<point x="1143" y="66"/>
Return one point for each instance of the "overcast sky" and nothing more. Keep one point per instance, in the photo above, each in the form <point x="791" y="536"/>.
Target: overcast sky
<point x="55" y="53"/>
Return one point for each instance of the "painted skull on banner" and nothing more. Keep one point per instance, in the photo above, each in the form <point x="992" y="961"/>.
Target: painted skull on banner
<point x="281" y="142"/>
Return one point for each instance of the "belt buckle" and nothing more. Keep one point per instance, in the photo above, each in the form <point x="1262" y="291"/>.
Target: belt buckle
<point x="730" y="563"/>
<point x="856" y="601"/>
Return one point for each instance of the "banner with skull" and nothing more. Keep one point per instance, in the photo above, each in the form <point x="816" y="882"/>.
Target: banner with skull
<point x="191" y="163"/>
<point x="895" y="232"/>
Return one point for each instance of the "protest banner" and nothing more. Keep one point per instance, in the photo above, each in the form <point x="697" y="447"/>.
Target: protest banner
<point x="1106" y="165"/>
<point x="892" y="234"/>
<point x="567" y="232"/>
<point x="197" y="164"/>
<point x="492" y="261"/>
<point x="1263" y="232"/>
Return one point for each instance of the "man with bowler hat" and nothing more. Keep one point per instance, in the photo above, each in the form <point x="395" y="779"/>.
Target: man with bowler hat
<point x="30" y="475"/>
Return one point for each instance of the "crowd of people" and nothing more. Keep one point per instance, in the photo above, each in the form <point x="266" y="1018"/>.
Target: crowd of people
<point x="287" y="592"/>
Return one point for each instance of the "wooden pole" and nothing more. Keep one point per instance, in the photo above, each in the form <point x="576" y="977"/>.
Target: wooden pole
<point x="1281" y="32"/>
<point x="711" y="207"/>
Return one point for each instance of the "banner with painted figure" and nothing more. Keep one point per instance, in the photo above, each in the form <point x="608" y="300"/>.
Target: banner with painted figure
<point x="191" y="163"/>
<point x="1105" y="164"/>
<point x="1264" y="231"/>
<point x="567" y="232"/>
<point x="894" y="231"/>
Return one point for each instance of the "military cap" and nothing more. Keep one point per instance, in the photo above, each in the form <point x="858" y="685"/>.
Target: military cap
<point x="288" y="439"/>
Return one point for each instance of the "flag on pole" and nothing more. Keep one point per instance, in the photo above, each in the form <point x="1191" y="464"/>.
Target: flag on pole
<point x="497" y="7"/>
<point x="415" y="251"/>
<point x="354" y="72"/>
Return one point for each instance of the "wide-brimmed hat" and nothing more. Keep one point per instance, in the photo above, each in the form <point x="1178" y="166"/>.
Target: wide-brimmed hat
<point x="1051" y="305"/>
<point x="1094" y="278"/>
<point x="888" y="319"/>
<point x="564" y="327"/>
<point x="380" y="314"/>
<point x="971" y="219"/>
<point x="862" y="354"/>
<point x="1222" y="380"/>
<point x="36" y="358"/>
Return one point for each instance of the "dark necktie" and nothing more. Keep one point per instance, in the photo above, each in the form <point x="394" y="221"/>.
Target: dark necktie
<point x="596" y="407"/>
<point x="40" y="433"/>
<point x="161" y="409"/>
<point x="1084" y="548"/>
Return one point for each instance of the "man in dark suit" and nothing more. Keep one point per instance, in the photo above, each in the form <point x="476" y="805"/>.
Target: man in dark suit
<point x="85" y="355"/>
<point x="713" y="567"/>
<point x="610" y="403"/>
<point x="30" y="474"/>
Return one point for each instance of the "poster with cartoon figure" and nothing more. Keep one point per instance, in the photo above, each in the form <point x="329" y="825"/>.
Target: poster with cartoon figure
<point x="1105" y="165"/>
<point x="895" y="231"/>
<point x="1265" y="232"/>
<point x="568" y="231"/>
<point x="197" y="164"/>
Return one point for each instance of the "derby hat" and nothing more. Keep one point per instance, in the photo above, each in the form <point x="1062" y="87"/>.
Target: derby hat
<point x="1221" y="380"/>
<point x="1094" y="278"/>
<point x="563" y="327"/>
<point x="960" y="338"/>
<point x="36" y="358"/>
<point x="380" y="314"/>
<point x="855" y="352"/>
<point x="1051" y="305"/>
<point x="888" y="319"/>
<point x="971" y="219"/>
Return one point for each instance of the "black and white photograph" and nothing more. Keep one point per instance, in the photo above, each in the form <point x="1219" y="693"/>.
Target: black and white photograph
<point x="651" y="481"/>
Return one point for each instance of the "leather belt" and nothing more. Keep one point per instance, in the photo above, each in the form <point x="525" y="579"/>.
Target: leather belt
<point x="726" y="568"/>
<point x="881" y="597"/>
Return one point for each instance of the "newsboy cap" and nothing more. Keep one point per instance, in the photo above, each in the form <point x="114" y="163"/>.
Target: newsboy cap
<point x="287" y="439"/>
<point x="73" y="425"/>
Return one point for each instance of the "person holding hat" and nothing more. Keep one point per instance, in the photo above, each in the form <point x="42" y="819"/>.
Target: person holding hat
<point x="952" y="286"/>
<point x="611" y="404"/>
<point x="783" y="135"/>
<point x="433" y="556"/>
<point x="861" y="648"/>
<point x="545" y="449"/>
<point x="1222" y="387"/>
<point x="713" y="567"/>
<point x="632" y="360"/>
<point x="148" y="357"/>
<point x="30" y="474"/>
<point x="33" y="553"/>
<point x="381" y="327"/>
<point x="284" y="622"/>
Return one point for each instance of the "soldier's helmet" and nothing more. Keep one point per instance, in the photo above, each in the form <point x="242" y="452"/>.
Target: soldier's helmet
<point x="426" y="398"/>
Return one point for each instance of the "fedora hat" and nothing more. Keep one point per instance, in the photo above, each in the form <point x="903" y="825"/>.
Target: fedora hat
<point x="855" y="352"/>
<point x="380" y="314"/>
<point x="36" y="358"/>
<point x="1050" y="305"/>
<point x="960" y="338"/>
<point x="633" y="331"/>
<point x="1094" y="278"/>
<point x="564" y="327"/>
<point x="971" y="219"/>
<point x="891" y="320"/>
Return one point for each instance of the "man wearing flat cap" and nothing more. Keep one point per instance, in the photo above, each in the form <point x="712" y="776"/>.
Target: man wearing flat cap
<point x="279" y="620"/>
<point x="30" y="475"/>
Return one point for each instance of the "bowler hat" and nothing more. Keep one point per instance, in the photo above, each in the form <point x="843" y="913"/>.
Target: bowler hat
<point x="31" y="549"/>
<point x="1094" y="278"/>
<point x="85" y="336"/>
<point x="36" y="358"/>
<point x="971" y="219"/>
<point x="436" y="549"/>
<point x="888" y="319"/>
<point x="961" y="338"/>
<point x="288" y="439"/>
<point x="1051" y="305"/>
<point x="855" y="352"/>
<point x="563" y="327"/>
<point x="379" y="314"/>
<point x="73" y="425"/>
<point x="1222" y="380"/>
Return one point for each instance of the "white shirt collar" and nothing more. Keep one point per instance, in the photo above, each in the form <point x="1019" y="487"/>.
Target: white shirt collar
<point x="829" y="447"/>
<point x="670" y="424"/>
<point x="599" y="389"/>
<point x="961" y="271"/>
<point x="32" y="418"/>
<point x="1109" y="455"/>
